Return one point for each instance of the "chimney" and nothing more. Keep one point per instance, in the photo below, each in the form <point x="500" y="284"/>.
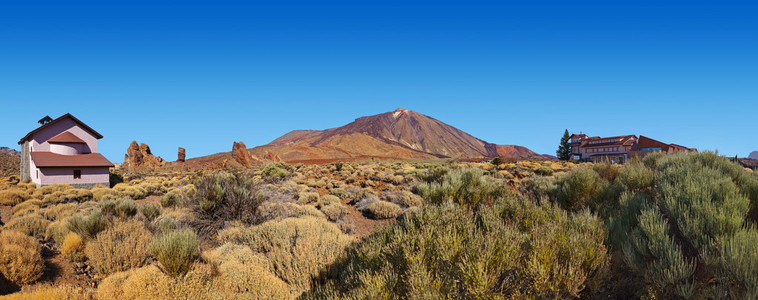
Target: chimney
<point x="45" y="120"/>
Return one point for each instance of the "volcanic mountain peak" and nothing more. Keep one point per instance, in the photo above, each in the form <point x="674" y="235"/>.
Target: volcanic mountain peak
<point x="415" y="131"/>
<point x="398" y="134"/>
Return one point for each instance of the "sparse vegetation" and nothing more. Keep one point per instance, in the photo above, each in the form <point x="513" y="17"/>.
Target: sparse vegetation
<point x="450" y="252"/>
<point x="295" y="249"/>
<point x="666" y="226"/>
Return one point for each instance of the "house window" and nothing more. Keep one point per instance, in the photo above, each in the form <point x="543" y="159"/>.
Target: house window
<point x="77" y="174"/>
<point x="37" y="174"/>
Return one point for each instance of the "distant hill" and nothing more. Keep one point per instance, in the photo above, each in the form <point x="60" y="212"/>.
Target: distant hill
<point x="9" y="164"/>
<point x="7" y="150"/>
<point x="753" y="155"/>
<point x="399" y="134"/>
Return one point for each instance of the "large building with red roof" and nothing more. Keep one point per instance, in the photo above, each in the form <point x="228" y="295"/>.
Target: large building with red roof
<point x="63" y="151"/>
<point x="617" y="149"/>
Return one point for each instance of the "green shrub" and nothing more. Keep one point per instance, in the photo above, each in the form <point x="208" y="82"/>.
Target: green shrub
<point x="738" y="263"/>
<point x="121" y="208"/>
<point x="576" y="190"/>
<point x="447" y="252"/>
<point x="175" y="250"/>
<point x="222" y="197"/>
<point x="150" y="211"/>
<point x="470" y="188"/>
<point x="606" y="171"/>
<point x="171" y="199"/>
<point x="334" y="212"/>
<point x="682" y="216"/>
<point x="636" y="177"/>
<point x="539" y="189"/>
<point x="86" y="226"/>
<point x="166" y="224"/>
<point x="383" y="210"/>
<point x="307" y="197"/>
<point x="328" y="200"/>
<point x="275" y="171"/>
<point x="403" y="198"/>
<point x="544" y="171"/>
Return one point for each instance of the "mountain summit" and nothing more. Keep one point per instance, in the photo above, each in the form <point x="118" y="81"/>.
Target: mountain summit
<point x="399" y="134"/>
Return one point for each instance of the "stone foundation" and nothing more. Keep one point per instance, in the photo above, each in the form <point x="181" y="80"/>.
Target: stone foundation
<point x="83" y="185"/>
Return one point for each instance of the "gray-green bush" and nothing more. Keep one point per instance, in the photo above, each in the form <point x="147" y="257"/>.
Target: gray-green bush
<point x="175" y="250"/>
<point x="514" y="249"/>
<point x="680" y="223"/>
<point x="86" y="226"/>
<point x="469" y="187"/>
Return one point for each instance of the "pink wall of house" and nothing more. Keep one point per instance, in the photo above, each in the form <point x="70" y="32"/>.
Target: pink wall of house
<point x="39" y="140"/>
<point x="66" y="175"/>
<point x="33" y="172"/>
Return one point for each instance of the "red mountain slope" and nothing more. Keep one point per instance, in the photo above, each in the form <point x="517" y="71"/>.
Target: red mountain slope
<point x="400" y="134"/>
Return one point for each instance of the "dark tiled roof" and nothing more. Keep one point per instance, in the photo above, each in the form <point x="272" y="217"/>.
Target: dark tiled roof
<point x="66" y="137"/>
<point x="621" y="141"/>
<point x="49" y="159"/>
<point x="30" y="134"/>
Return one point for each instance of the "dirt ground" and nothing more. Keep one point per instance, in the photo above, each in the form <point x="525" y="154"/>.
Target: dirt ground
<point x="58" y="270"/>
<point x="5" y="214"/>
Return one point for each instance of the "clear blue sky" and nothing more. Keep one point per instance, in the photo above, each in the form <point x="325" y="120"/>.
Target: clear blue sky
<point x="203" y="74"/>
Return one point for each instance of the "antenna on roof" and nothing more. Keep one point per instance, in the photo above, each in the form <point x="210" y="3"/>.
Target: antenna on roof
<point x="45" y="120"/>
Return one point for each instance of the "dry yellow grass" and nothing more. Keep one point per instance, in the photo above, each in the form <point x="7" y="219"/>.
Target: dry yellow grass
<point x="232" y="272"/>
<point x="56" y="231"/>
<point x="13" y="196"/>
<point x="119" y="248"/>
<point x="20" y="257"/>
<point x="384" y="210"/>
<point x="73" y="247"/>
<point x="60" y="211"/>
<point x="32" y="224"/>
<point x="296" y="249"/>
<point x="242" y="274"/>
<point x="49" y="292"/>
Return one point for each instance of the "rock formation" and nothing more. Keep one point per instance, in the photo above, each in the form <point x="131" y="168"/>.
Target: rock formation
<point x="241" y="155"/>
<point x="268" y="155"/>
<point x="139" y="156"/>
<point x="753" y="155"/>
<point x="181" y="155"/>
